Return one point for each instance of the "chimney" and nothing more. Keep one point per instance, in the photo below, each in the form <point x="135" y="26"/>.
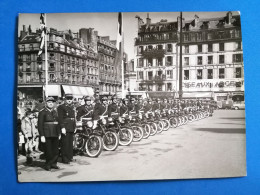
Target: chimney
<point x="24" y="28"/>
<point x="229" y="17"/>
<point x="148" y="20"/>
<point x="196" y="19"/>
<point x="179" y="22"/>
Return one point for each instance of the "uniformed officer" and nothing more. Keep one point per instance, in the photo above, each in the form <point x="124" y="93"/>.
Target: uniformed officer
<point x="100" y="110"/>
<point x="66" y="113"/>
<point x="132" y="106"/>
<point x="85" y="110"/>
<point x="49" y="133"/>
<point x="113" y="108"/>
<point x="124" y="107"/>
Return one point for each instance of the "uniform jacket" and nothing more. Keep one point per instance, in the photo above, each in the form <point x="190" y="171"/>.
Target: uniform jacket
<point x="45" y="127"/>
<point x="100" y="110"/>
<point x="148" y="107"/>
<point x="85" y="110"/>
<point x="132" y="108"/>
<point x="124" y="109"/>
<point x="113" y="108"/>
<point x="156" y="106"/>
<point x="66" y="115"/>
<point x="27" y="127"/>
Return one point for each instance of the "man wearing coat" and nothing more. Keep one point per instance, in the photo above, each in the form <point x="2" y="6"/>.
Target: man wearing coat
<point x="49" y="133"/>
<point x="66" y="113"/>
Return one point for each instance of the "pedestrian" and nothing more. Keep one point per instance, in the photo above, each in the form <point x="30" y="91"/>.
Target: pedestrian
<point x="36" y="132"/>
<point x="66" y="113"/>
<point x="49" y="133"/>
<point x="28" y="132"/>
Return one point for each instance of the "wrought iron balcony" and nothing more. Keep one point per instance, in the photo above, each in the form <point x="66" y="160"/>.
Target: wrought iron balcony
<point x="154" y="53"/>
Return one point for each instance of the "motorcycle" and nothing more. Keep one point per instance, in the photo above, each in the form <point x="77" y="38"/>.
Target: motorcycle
<point x="85" y="140"/>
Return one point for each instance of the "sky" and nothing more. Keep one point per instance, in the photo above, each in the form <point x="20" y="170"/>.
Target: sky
<point x="106" y="23"/>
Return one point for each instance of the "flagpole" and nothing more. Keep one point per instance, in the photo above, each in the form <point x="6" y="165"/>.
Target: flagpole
<point x="46" y="58"/>
<point x="122" y="64"/>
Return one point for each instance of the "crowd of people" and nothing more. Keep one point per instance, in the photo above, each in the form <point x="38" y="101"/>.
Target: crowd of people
<point x="50" y="126"/>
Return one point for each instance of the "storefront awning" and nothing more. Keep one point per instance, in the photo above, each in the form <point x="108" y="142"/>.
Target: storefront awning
<point x="198" y="95"/>
<point x="77" y="91"/>
<point x="90" y="91"/>
<point x="53" y="90"/>
<point x="67" y="89"/>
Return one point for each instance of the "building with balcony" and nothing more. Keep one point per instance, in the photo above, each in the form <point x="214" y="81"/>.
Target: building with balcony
<point x="212" y="56"/>
<point x="156" y="55"/>
<point x="109" y="65"/>
<point x="72" y="65"/>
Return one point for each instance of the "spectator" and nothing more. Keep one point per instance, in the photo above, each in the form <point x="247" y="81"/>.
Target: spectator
<point x="28" y="131"/>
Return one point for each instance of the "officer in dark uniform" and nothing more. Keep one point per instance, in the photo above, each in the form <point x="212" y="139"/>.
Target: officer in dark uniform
<point x="132" y="106"/>
<point x="49" y="132"/>
<point x="85" y="110"/>
<point x="139" y="105"/>
<point x="101" y="109"/>
<point x="113" y="108"/>
<point x="66" y="113"/>
<point x="124" y="107"/>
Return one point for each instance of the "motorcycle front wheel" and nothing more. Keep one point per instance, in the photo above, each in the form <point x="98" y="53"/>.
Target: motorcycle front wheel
<point x="173" y="122"/>
<point x="160" y="126"/>
<point x="125" y="136"/>
<point x="110" y="141"/>
<point x="94" y="146"/>
<point x="138" y="133"/>
<point x="166" y="124"/>
<point x="153" y="127"/>
<point x="147" y="130"/>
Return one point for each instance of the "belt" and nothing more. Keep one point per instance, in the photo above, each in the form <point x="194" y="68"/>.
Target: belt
<point x="52" y="123"/>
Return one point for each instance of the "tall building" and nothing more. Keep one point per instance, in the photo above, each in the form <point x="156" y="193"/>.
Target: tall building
<point x="212" y="56"/>
<point x="156" y="56"/>
<point x="109" y="66"/>
<point x="130" y="76"/>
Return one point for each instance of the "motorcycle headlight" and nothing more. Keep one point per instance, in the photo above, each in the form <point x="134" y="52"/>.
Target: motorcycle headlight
<point x="120" y="119"/>
<point x="104" y="121"/>
<point x="89" y="123"/>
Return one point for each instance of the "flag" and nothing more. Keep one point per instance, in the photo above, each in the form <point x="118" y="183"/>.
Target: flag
<point x="43" y="33"/>
<point x="119" y="32"/>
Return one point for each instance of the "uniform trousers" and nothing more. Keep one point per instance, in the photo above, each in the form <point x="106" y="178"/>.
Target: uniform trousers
<point x="51" y="150"/>
<point x="67" y="146"/>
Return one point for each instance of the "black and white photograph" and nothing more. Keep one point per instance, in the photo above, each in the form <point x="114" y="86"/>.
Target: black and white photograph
<point x="115" y="96"/>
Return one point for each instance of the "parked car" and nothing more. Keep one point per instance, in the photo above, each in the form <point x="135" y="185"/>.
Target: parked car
<point x="225" y="104"/>
<point x="238" y="105"/>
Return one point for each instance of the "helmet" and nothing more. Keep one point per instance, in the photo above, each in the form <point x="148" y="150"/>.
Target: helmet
<point x="158" y="99"/>
<point x="87" y="98"/>
<point x="114" y="97"/>
<point x="104" y="98"/>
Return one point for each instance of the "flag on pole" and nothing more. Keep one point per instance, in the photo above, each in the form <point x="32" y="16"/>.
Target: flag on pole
<point x="119" y="32"/>
<point x="43" y="33"/>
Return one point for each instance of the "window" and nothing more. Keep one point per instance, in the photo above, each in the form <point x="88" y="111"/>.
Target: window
<point x="199" y="74"/>
<point x="210" y="73"/>
<point x="210" y="59"/>
<point x="186" y="60"/>
<point x="221" y="73"/>
<point x="169" y="74"/>
<point x="186" y="49"/>
<point x="237" y="58"/>
<point x="210" y="36"/>
<point x="169" y="87"/>
<point x="150" y="62"/>
<point x="159" y="62"/>
<point x="169" y="47"/>
<point x="221" y="47"/>
<point x="159" y="87"/>
<point x="199" y="60"/>
<point x="141" y="75"/>
<point x="186" y="37"/>
<point x="169" y="61"/>
<point x="186" y="74"/>
<point x="210" y="47"/>
<point x="238" y="45"/>
<point x="150" y="75"/>
<point x="221" y="59"/>
<point x="28" y="78"/>
<point x="199" y="48"/>
<point x="238" y="73"/>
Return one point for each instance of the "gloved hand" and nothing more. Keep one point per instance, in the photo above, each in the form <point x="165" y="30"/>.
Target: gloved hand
<point x="43" y="140"/>
<point x="63" y="131"/>
<point x="94" y="124"/>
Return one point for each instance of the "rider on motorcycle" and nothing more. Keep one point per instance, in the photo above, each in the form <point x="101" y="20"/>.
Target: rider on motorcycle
<point x="85" y="110"/>
<point x="100" y="110"/>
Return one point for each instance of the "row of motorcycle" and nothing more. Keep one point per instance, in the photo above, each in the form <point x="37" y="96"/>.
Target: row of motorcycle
<point x="110" y="132"/>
